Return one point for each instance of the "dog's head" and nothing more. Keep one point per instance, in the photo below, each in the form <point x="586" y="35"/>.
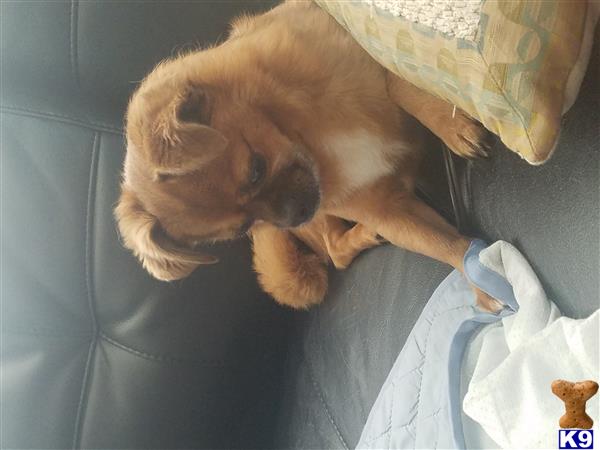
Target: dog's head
<point x="205" y="160"/>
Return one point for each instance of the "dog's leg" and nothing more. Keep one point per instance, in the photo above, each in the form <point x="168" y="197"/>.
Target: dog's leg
<point x="407" y="222"/>
<point x="463" y="135"/>
<point x="291" y="276"/>
<point x="344" y="244"/>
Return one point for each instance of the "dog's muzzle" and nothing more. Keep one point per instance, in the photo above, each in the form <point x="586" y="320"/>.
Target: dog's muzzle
<point x="292" y="198"/>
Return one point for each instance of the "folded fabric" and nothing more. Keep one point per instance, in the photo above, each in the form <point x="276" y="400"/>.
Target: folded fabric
<point x="504" y="362"/>
<point x="513" y="364"/>
<point x="419" y="405"/>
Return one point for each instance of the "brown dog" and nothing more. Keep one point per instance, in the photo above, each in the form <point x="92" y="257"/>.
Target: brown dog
<point x="282" y="131"/>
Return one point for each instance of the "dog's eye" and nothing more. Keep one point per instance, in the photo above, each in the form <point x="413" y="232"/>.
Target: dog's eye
<point x="257" y="169"/>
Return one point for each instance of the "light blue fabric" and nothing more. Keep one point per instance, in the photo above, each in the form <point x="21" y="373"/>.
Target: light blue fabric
<point x="419" y="404"/>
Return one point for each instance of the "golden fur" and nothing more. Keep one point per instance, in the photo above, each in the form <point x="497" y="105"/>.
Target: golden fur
<point x="289" y="121"/>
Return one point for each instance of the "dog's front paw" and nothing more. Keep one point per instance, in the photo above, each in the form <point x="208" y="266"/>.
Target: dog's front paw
<point x="343" y="251"/>
<point x="300" y="285"/>
<point x="466" y="137"/>
<point x="368" y="238"/>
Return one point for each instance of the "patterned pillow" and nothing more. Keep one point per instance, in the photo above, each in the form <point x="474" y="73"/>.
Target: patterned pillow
<point x="516" y="68"/>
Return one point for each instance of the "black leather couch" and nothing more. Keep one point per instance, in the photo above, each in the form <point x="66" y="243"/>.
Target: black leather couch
<point x="96" y="354"/>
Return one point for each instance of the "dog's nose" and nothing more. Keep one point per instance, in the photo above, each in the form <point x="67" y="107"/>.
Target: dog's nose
<point x="290" y="199"/>
<point x="298" y="215"/>
<point x="300" y="208"/>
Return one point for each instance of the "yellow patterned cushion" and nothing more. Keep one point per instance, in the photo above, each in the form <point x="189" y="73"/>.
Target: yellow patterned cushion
<point x="517" y="76"/>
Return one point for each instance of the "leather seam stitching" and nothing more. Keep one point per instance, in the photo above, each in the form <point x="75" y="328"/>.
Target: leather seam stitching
<point x="317" y="391"/>
<point x="85" y="383"/>
<point x="95" y="126"/>
<point x="82" y="394"/>
<point x="160" y="358"/>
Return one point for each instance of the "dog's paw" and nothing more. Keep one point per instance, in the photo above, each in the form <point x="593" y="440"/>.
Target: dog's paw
<point x="486" y="302"/>
<point x="368" y="238"/>
<point x="466" y="137"/>
<point x="300" y="286"/>
<point x="356" y="240"/>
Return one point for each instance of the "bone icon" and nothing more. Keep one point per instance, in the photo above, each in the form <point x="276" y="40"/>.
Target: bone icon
<point x="575" y="395"/>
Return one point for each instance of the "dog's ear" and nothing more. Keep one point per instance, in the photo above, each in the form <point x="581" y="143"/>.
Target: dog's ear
<point x="160" y="255"/>
<point x="181" y="139"/>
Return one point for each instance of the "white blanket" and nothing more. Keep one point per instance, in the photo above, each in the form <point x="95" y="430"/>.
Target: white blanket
<point x="505" y="368"/>
<point x="513" y="364"/>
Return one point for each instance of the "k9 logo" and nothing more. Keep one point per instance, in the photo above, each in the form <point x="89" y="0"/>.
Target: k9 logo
<point x="575" y="438"/>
